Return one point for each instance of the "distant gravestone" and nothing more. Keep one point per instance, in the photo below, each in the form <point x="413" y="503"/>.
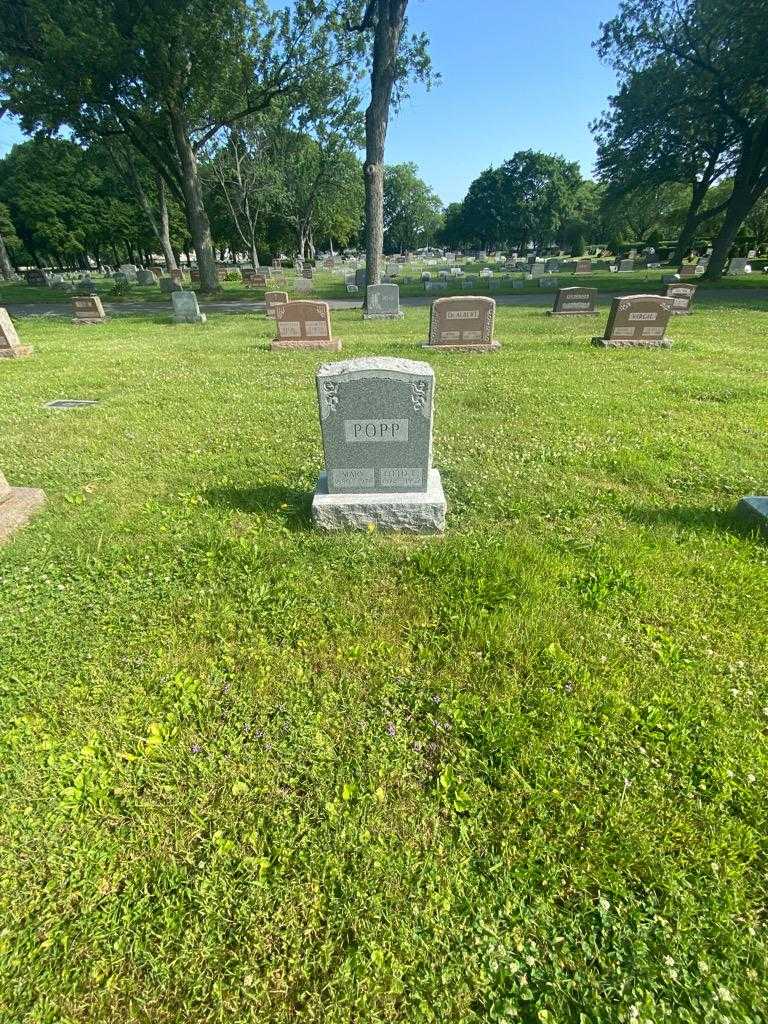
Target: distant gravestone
<point x="553" y="266"/>
<point x="87" y="309"/>
<point x="361" y="277"/>
<point x="274" y="299"/>
<point x="308" y="272"/>
<point x="549" y="282"/>
<point x="168" y="285"/>
<point x="463" y="324"/>
<point x="130" y="272"/>
<point x="638" y="321"/>
<point x="352" y="288"/>
<point x="17" y="506"/>
<point x="304" y="324"/>
<point x="186" y="309"/>
<point x="537" y="270"/>
<point x="686" y="270"/>
<point x="583" y="267"/>
<point x="376" y="421"/>
<point x="85" y="286"/>
<point x="575" y="301"/>
<point x="469" y="282"/>
<point x="435" y="286"/>
<point x="10" y="346"/>
<point x="36" y="278"/>
<point x="383" y="302"/>
<point x="302" y="285"/>
<point x="739" y="266"/>
<point x="682" y="297"/>
<point x="625" y="266"/>
<point x="146" y="277"/>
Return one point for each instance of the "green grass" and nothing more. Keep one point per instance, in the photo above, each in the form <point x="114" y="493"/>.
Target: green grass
<point x="330" y="286"/>
<point x="251" y="773"/>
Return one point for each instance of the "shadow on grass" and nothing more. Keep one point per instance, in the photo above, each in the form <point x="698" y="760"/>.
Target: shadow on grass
<point x="292" y="506"/>
<point x="695" y="518"/>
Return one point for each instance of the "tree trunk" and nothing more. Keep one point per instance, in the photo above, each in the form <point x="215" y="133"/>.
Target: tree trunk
<point x="6" y="270"/>
<point x="386" y="43"/>
<point x="197" y="218"/>
<point x="254" y="255"/>
<point x="740" y="204"/>
<point x="164" y="234"/>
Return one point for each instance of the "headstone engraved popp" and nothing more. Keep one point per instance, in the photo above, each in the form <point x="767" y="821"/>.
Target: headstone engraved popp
<point x="682" y="297"/>
<point x="186" y="309"/>
<point x="637" y="321"/>
<point x="383" y="302"/>
<point x="463" y="324"/>
<point x="87" y="309"/>
<point x="304" y="324"/>
<point x="10" y="346"/>
<point x="574" y="301"/>
<point x="274" y="299"/>
<point x="376" y="421"/>
<point x="17" y="506"/>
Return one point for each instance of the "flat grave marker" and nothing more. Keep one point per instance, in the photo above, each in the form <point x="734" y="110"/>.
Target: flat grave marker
<point x="376" y="418"/>
<point x="637" y="321"/>
<point x="303" y="324"/>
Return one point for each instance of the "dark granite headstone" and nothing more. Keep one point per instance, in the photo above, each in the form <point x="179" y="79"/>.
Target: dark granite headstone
<point x="574" y="301"/>
<point x="463" y="323"/>
<point x="682" y="297"/>
<point x="637" y="321"/>
<point x="274" y="299"/>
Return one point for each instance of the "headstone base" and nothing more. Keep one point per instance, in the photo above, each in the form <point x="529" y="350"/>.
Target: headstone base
<point x="754" y="510"/>
<point x="383" y="316"/>
<point x="332" y="345"/>
<point x="90" y="321"/>
<point x="654" y="343"/>
<point x="423" y="512"/>
<point x="17" y="506"/>
<point x="16" y="352"/>
<point x="494" y="346"/>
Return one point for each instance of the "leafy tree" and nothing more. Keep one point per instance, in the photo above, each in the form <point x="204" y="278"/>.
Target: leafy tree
<point x="412" y="211"/>
<point x="757" y="222"/>
<point x="9" y="241"/>
<point x="715" y="58"/>
<point x="394" y="58"/>
<point x="453" y="231"/>
<point x="167" y="76"/>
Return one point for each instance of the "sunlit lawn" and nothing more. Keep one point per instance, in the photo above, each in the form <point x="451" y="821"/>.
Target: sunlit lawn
<point x="254" y="773"/>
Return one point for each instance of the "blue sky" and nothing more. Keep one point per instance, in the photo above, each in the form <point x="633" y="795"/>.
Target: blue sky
<point x="516" y="74"/>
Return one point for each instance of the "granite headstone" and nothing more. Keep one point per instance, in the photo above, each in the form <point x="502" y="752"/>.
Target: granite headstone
<point x="637" y="321"/>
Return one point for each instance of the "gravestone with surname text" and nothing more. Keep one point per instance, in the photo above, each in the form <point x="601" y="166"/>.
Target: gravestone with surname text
<point x="274" y="299"/>
<point x="304" y="324"/>
<point x="637" y="321"/>
<point x="10" y="345"/>
<point x="575" y="301"/>
<point x="87" y="309"/>
<point x="463" y="324"/>
<point x="682" y="298"/>
<point x="376" y="419"/>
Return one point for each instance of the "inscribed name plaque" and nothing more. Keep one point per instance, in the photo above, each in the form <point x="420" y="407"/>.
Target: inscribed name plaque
<point x="376" y="422"/>
<point x="682" y="297"/>
<point x="87" y="309"/>
<point x="383" y="302"/>
<point x="637" y="321"/>
<point x="186" y="309"/>
<point x="17" y="506"/>
<point x="574" y="301"/>
<point x="463" y="324"/>
<point x="304" y="324"/>
<point x="273" y="299"/>
<point x="10" y="346"/>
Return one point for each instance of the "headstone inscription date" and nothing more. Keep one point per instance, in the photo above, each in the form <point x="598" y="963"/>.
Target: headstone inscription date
<point x="575" y="301"/>
<point x="637" y="321"/>
<point x="376" y="421"/>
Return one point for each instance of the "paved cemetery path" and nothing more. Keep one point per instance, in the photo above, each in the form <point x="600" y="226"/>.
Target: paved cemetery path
<point x="546" y="298"/>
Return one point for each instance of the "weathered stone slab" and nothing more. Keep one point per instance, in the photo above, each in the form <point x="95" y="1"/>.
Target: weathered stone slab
<point x="575" y="301"/>
<point x="146" y="277"/>
<point x="87" y="309"/>
<point x="583" y="267"/>
<point x="168" y="285"/>
<point x="274" y="299"/>
<point x="739" y="265"/>
<point x="17" y="506"/>
<point x="637" y="321"/>
<point x="10" y="346"/>
<point x="625" y="266"/>
<point x="186" y="309"/>
<point x="376" y="422"/>
<point x="302" y="285"/>
<point x="753" y="510"/>
<point x="463" y="323"/>
<point x="682" y="298"/>
<point x="304" y="324"/>
<point x="383" y="302"/>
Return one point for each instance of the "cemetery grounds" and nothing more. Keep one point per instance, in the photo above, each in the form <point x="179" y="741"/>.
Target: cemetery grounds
<point x="255" y="773"/>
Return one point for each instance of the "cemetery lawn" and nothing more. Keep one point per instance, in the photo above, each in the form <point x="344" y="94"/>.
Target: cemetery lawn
<point x="255" y="774"/>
